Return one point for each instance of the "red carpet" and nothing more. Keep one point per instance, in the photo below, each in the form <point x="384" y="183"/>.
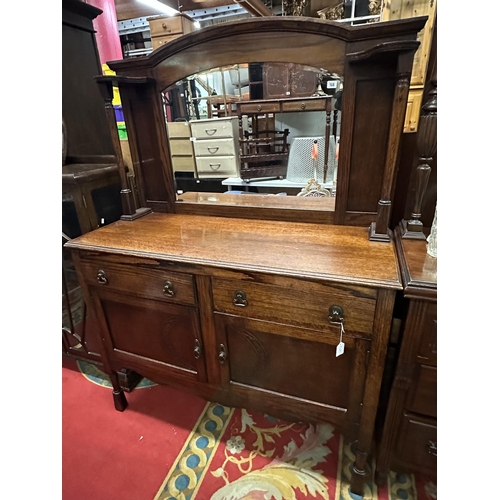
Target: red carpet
<point x="170" y="445"/>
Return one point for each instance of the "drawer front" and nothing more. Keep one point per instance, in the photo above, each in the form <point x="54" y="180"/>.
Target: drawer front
<point x="141" y="281"/>
<point x="183" y="163"/>
<point x="217" y="147"/>
<point x="181" y="147"/>
<point x="305" y="105"/>
<point x="165" y="26"/>
<point x="179" y="130"/>
<point x="417" y="443"/>
<point x="160" y="41"/>
<point x="265" y="107"/>
<point x="220" y="166"/>
<point x="213" y="129"/>
<point x="303" y="304"/>
<point x="423" y="397"/>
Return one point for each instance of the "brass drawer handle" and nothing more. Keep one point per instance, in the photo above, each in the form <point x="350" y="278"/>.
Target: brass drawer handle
<point x="213" y="130"/>
<point x="259" y="108"/>
<point x="303" y="106"/>
<point x="197" y="349"/>
<point x="101" y="277"/>
<point x="336" y="315"/>
<point x="213" y="152"/>
<point x="222" y="354"/>
<point x="168" y="289"/>
<point x="432" y="448"/>
<point x="216" y="165"/>
<point x="240" y="299"/>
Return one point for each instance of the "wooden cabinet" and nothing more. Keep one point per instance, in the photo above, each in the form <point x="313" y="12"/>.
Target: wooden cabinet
<point x="215" y="143"/>
<point x="409" y="439"/>
<point x="399" y="9"/>
<point x="181" y="146"/>
<point x="204" y="304"/>
<point x="164" y="29"/>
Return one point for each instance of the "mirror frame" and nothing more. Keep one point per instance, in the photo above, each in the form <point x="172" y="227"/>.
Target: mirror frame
<point x="375" y="61"/>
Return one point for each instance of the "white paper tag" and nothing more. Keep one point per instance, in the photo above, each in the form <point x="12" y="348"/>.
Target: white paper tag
<point x="340" y="349"/>
<point x="192" y="139"/>
<point x="331" y="84"/>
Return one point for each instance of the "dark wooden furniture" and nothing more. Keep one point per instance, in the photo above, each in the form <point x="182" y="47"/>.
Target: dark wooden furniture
<point x="289" y="80"/>
<point x="202" y="304"/>
<point x="409" y="439"/>
<point x="374" y="60"/>
<point x="79" y="180"/>
<point x="265" y="152"/>
<point x="247" y="311"/>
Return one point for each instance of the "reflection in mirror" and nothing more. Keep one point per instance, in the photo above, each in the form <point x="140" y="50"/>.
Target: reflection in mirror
<point x="255" y="128"/>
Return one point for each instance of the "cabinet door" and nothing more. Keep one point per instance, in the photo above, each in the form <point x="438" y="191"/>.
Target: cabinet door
<point x="285" y="365"/>
<point x="151" y="337"/>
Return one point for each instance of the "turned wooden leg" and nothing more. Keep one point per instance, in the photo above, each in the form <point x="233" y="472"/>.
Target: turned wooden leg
<point x="358" y="474"/>
<point x="118" y="395"/>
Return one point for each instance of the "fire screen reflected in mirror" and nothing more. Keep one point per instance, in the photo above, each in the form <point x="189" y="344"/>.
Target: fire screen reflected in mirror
<point x="270" y="130"/>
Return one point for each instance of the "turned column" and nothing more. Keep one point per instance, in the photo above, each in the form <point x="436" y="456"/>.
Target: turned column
<point x="379" y="230"/>
<point x="130" y="212"/>
<point x="426" y="147"/>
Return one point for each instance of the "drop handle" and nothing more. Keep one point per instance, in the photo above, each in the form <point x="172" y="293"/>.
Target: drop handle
<point x="101" y="277"/>
<point x="197" y="349"/>
<point x="432" y="448"/>
<point x="336" y="315"/>
<point x="222" y="354"/>
<point x="240" y="299"/>
<point x="168" y="289"/>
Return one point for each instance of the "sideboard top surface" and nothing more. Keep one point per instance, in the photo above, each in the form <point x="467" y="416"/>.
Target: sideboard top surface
<point x="332" y="253"/>
<point x="418" y="268"/>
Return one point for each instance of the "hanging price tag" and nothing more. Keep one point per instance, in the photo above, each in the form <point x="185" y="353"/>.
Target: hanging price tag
<point x="341" y="346"/>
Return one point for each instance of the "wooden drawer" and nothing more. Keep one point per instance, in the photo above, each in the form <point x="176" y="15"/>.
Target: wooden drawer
<point x="181" y="147"/>
<point x="423" y="396"/>
<point x="264" y="107"/>
<point x="417" y="443"/>
<point x="305" y="105"/>
<point x="215" y="128"/>
<point x="216" y="147"/>
<point x="220" y="166"/>
<point x="183" y="163"/>
<point x="300" y="303"/>
<point x="165" y="26"/>
<point x="179" y="130"/>
<point x="160" y="41"/>
<point x="140" y="280"/>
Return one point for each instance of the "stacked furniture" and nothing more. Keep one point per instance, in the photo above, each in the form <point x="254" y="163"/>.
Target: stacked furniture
<point x="215" y="143"/>
<point x="261" y="307"/>
<point x="265" y="152"/>
<point x="181" y="146"/>
<point x="165" y="29"/>
<point x="409" y="440"/>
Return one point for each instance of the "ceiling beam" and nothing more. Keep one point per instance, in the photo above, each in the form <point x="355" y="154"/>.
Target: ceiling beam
<point x="255" y="7"/>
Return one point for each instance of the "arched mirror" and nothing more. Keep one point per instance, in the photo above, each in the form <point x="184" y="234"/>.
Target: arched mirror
<point x="259" y="128"/>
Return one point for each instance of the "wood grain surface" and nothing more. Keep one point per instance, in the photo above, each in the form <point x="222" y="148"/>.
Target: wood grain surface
<point x="331" y="253"/>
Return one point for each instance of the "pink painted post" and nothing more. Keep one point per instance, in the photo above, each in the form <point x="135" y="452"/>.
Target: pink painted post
<point x="107" y="36"/>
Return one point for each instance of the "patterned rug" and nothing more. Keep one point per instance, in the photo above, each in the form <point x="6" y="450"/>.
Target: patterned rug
<point x="236" y="454"/>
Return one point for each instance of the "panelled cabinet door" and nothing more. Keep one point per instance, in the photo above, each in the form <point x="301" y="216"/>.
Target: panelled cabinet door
<point x="293" y="363"/>
<point x="140" y="331"/>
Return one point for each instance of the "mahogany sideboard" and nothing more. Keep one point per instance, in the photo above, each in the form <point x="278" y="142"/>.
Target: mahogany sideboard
<point x="247" y="313"/>
<point x="409" y="437"/>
